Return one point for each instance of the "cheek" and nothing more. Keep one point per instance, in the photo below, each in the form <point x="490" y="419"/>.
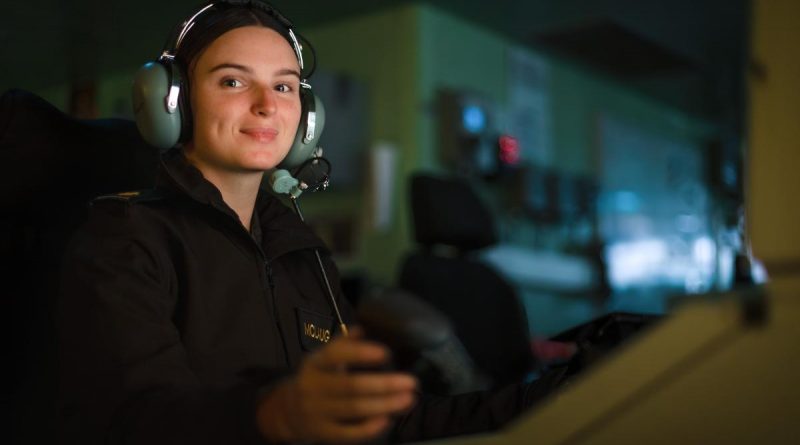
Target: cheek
<point x="293" y="118"/>
<point x="209" y="115"/>
<point x="199" y="111"/>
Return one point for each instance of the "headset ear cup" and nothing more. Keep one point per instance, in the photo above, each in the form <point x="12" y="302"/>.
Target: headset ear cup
<point x="156" y="124"/>
<point x="312" y="115"/>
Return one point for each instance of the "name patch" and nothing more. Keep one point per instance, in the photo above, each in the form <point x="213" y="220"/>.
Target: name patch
<point x="314" y="328"/>
<point x="316" y="332"/>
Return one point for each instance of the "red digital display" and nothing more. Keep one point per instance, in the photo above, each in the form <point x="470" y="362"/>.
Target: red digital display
<point x="508" y="149"/>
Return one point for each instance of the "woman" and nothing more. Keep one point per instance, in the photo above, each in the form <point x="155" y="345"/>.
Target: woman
<point x="185" y="311"/>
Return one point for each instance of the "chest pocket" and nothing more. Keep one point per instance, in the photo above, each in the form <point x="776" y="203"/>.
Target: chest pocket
<point x="314" y="328"/>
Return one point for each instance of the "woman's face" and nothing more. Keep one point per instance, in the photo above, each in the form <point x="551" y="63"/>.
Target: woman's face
<point x="245" y="97"/>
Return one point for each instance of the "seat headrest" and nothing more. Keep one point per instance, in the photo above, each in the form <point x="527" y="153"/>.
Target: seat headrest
<point x="45" y="154"/>
<point x="447" y="211"/>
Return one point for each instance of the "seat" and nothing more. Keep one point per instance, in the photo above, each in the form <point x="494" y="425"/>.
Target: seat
<point x="451" y="225"/>
<point x="51" y="165"/>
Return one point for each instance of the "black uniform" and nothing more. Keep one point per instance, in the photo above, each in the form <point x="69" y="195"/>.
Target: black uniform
<point x="173" y="319"/>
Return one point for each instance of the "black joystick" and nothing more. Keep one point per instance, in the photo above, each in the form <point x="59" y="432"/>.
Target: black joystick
<point x="422" y="342"/>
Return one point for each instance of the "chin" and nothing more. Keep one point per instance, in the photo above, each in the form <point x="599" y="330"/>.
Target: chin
<point x="262" y="161"/>
<point x="257" y="167"/>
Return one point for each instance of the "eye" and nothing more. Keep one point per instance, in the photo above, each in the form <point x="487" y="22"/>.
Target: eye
<point x="283" y="88"/>
<point x="231" y="83"/>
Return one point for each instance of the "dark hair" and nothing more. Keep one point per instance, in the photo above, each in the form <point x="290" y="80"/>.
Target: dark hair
<point x="221" y="18"/>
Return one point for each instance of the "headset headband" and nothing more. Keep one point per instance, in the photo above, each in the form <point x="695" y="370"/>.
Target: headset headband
<point x="175" y="41"/>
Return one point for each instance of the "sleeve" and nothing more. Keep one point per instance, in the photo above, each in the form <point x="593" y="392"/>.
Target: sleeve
<point x="124" y="373"/>
<point x="479" y="412"/>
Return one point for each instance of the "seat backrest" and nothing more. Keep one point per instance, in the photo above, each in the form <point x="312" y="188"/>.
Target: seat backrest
<point x="484" y="308"/>
<point x="51" y="165"/>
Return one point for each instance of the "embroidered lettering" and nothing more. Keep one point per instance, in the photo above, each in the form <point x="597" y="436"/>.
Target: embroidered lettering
<point x="317" y="333"/>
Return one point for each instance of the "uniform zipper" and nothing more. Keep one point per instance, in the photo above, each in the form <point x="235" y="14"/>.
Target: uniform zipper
<point x="271" y="284"/>
<point x="270" y="279"/>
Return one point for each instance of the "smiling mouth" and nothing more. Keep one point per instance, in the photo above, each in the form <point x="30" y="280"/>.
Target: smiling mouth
<point x="263" y="135"/>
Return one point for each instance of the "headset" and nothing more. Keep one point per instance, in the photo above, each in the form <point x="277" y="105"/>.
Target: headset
<point x="161" y="102"/>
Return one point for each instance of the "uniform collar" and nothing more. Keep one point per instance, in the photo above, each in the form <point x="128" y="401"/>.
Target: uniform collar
<point x="282" y="231"/>
<point x="176" y="173"/>
<point x="276" y="228"/>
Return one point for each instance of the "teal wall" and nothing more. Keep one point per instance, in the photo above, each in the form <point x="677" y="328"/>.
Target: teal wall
<point x="580" y="97"/>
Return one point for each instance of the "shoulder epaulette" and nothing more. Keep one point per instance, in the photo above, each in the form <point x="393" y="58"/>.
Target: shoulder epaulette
<point x="133" y="197"/>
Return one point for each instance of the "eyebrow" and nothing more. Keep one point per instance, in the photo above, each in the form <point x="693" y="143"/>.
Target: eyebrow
<point x="247" y="69"/>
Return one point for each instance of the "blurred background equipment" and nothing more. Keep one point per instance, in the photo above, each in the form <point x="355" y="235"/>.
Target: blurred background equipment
<point x="721" y="368"/>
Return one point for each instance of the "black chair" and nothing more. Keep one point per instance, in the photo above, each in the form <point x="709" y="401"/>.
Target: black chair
<point x="51" y="166"/>
<point x="450" y="225"/>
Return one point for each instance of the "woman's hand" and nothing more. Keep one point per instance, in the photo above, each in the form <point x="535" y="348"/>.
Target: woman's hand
<point x="326" y="401"/>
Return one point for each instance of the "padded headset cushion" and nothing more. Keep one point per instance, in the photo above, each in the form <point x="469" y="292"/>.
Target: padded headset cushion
<point x="302" y="151"/>
<point x="158" y="127"/>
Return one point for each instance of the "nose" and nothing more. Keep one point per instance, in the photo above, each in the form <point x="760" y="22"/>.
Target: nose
<point x="264" y="103"/>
